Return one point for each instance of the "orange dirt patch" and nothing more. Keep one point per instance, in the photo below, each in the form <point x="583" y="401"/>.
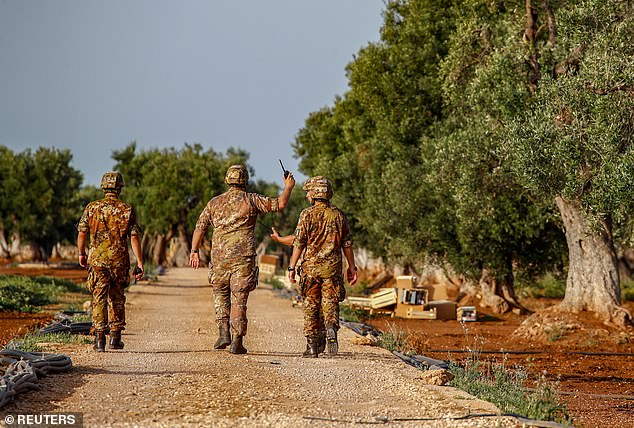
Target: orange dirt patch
<point x="592" y="363"/>
<point x="15" y="324"/>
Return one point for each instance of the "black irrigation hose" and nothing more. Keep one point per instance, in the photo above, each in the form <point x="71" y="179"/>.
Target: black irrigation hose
<point x="361" y="328"/>
<point x="24" y="368"/>
<point x="381" y="420"/>
<point x="422" y="362"/>
<point x="67" y="327"/>
<point x="365" y="329"/>
<point x="601" y="354"/>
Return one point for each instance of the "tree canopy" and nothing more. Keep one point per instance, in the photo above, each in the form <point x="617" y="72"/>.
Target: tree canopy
<point x="468" y="119"/>
<point x="39" y="197"/>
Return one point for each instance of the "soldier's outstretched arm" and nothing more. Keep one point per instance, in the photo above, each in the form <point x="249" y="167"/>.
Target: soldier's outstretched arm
<point x="284" y="240"/>
<point x="197" y="239"/>
<point x="289" y="183"/>
<point x="135" y="243"/>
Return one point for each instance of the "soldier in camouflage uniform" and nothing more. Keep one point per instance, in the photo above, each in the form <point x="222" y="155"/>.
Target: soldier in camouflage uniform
<point x="109" y="221"/>
<point x="233" y="274"/>
<point x="322" y="234"/>
<point x="288" y="241"/>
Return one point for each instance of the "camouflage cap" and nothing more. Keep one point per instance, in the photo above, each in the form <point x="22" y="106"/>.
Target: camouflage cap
<point x="321" y="188"/>
<point x="112" y="181"/>
<point x="237" y="175"/>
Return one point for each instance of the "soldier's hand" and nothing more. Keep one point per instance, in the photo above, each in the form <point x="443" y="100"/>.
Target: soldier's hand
<point x="194" y="260"/>
<point x="289" y="181"/>
<point x="291" y="276"/>
<point x="139" y="271"/>
<point x="83" y="259"/>
<point x="351" y="274"/>
<point x="275" y="235"/>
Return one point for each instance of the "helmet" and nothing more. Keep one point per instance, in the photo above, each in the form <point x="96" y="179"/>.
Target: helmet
<point x="321" y="188"/>
<point x="237" y="175"/>
<point x="308" y="184"/>
<point x="112" y="181"/>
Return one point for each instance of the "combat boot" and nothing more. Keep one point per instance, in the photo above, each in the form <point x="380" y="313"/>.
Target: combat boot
<point x="115" y="340"/>
<point x="333" y="345"/>
<point x="321" y="341"/>
<point x="100" y="342"/>
<point x="236" y="346"/>
<point x="312" y="348"/>
<point x="224" y="337"/>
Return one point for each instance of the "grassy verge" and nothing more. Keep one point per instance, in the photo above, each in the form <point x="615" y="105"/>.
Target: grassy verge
<point x="506" y="387"/>
<point x="352" y="314"/>
<point x="35" y="342"/>
<point x="29" y="294"/>
<point x="492" y="381"/>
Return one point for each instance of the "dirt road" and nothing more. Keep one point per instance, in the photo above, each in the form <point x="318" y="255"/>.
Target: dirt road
<point x="169" y="375"/>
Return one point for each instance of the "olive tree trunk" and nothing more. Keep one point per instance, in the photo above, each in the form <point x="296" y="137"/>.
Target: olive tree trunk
<point x="593" y="277"/>
<point x="498" y="293"/>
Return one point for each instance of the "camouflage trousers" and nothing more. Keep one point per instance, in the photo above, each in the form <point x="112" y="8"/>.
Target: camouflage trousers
<point x="108" y="298"/>
<point x="232" y="281"/>
<point x="321" y="299"/>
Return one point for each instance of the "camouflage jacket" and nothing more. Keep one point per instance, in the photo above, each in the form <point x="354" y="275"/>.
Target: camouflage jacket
<point x="110" y="222"/>
<point x="232" y="216"/>
<point x="322" y="231"/>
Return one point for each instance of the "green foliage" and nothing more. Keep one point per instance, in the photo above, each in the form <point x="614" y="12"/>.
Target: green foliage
<point x="27" y="294"/>
<point x="64" y="284"/>
<point x="359" y="289"/>
<point x="549" y="285"/>
<point x="169" y="187"/>
<point x="393" y="339"/>
<point x="353" y="314"/>
<point x="413" y="149"/>
<point x="284" y="221"/>
<point x="506" y="388"/>
<point x="36" y="342"/>
<point x="627" y="289"/>
<point x="39" y="196"/>
<point x="576" y="139"/>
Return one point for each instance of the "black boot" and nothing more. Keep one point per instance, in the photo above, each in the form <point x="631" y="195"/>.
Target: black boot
<point x="236" y="346"/>
<point x="312" y="348"/>
<point x="100" y="342"/>
<point x="321" y="341"/>
<point x="333" y="345"/>
<point x="224" y="337"/>
<point x="115" y="340"/>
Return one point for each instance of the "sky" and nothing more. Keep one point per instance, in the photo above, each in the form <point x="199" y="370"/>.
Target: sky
<point x="92" y="76"/>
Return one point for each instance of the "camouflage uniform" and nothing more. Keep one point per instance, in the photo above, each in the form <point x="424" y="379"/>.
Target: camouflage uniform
<point x="322" y="231"/>
<point x="110" y="222"/>
<point x="233" y="272"/>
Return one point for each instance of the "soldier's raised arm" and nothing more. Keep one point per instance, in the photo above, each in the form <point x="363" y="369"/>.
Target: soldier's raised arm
<point x="289" y="183"/>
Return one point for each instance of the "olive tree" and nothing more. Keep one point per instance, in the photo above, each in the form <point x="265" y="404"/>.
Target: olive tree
<point x="574" y="143"/>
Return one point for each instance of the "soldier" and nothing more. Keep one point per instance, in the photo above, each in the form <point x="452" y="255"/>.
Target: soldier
<point x="288" y="241"/>
<point x="322" y="234"/>
<point x="233" y="273"/>
<point x="109" y="221"/>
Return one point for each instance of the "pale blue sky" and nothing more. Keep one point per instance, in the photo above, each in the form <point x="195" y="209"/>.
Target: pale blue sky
<point x="92" y="76"/>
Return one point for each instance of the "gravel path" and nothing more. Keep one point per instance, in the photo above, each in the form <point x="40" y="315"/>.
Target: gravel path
<point x="168" y="375"/>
